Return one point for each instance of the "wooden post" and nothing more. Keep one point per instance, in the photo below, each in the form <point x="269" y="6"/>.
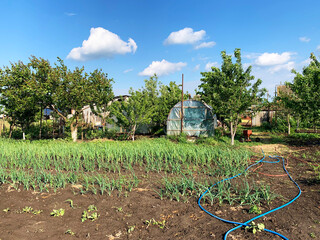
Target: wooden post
<point x="181" y="130"/>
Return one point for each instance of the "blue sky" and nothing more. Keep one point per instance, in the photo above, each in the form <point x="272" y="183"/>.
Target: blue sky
<point x="133" y="39"/>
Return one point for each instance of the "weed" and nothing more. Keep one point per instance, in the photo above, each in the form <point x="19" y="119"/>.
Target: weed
<point x="255" y="209"/>
<point x="57" y="212"/>
<point x="312" y="235"/>
<point x="6" y="210"/>
<point x="254" y="228"/>
<point x="27" y="209"/>
<point x="86" y="215"/>
<point x="70" y="232"/>
<point x="160" y="224"/>
<point x="71" y="202"/>
<point x="131" y="229"/>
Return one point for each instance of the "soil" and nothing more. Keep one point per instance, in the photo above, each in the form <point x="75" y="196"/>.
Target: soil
<point x="140" y="214"/>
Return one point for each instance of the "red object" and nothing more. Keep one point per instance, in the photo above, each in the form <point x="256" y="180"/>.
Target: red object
<point x="247" y="134"/>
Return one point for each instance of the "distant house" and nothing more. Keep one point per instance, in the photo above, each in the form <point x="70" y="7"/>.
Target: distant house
<point x="90" y="118"/>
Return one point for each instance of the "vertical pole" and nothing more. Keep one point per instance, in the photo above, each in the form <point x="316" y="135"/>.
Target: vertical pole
<point x="182" y="107"/>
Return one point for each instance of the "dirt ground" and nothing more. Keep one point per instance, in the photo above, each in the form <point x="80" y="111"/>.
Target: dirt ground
<point x="142" y="215"/>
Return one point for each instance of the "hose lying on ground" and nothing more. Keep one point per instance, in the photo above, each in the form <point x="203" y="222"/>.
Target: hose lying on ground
<point x="247" y="223"/>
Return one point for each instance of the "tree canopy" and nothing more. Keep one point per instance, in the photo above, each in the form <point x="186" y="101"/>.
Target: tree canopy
<point x="229" y="90"/>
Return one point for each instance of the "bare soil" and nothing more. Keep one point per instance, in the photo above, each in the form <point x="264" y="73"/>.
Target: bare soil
<point x="141" y="214"/>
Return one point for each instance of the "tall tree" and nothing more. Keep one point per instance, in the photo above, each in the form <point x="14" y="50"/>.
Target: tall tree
<point x="306" y="87"/>
<point x="76" y="89"/>
<point x="229" y="90"/>
<point x="17" y="96"/>
<point x="42" y="84"/>
<point x="102" y="95"/>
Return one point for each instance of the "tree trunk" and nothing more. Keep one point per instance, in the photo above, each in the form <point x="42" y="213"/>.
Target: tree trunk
<point x="74" y="132"/>
<point x="133" y="131"/>
<point x="41" y="114"/>
<point x="10" y="131"/>
<point x="231" y="132"/>
<point x="1" y="127"/>
<point x="289" y="125"/>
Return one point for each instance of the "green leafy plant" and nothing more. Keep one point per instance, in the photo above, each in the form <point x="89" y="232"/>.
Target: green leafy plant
<point x="57" y="212"/>
<point x="6" y="210"/>
<point x="90" y="214"/>
<point x="160" y="224"/>
<point x="131" y="229"/>
<point x="70" y="232"/>
<point x="27" y="209"/>
<point x="71" y="202"/>
<point x="254" y="228"/>
<point x="255" y="209"/>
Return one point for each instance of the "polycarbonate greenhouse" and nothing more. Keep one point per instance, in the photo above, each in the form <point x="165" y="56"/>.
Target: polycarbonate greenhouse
<point x="198" y="119"/>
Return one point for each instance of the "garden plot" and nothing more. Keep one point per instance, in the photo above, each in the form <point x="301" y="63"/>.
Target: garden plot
<point x="149" y="190"/>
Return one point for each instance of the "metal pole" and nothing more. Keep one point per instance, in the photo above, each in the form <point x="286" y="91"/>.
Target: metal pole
<point x="182" y="107"/>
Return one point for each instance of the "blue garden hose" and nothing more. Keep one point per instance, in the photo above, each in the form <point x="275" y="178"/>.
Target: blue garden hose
<point x="261" y="215"/>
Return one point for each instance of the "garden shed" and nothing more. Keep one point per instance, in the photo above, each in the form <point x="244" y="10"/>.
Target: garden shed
<point x="198" y="119"/>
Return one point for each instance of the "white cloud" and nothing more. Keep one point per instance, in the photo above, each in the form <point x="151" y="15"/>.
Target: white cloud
<point x="287" y="66"/>
<point x="209" y="65"/>
<point x="102" y="44"/>
<point x="128" y="70"/>
<point x="162" y="68"/>
<point x="205" y="45"/>
<point x="185" y="36"/>
<point x="70" y="14"/>
<point x="318" y="47"/>
<point x="270" y="59"/>
<point x="197" y="67"/>
<point x="304" y="39"/>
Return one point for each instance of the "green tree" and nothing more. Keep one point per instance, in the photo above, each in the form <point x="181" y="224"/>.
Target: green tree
<point x="306" y="87"/>
<point x="170" y="95"/>
<point x="229" y="90"/>
<point x="76" y="89"/>
<point x="17" y="96"/>
<point x="134" y="111"/>
<point x="102" y="95"/>
<point x="43" y="84"/>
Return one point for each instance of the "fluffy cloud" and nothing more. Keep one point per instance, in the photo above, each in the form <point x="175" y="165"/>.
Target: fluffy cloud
<point x="185" y="36"/>
<point x="304" y="39"/>
<point x="102" y="43"/>
<point x="205" y="45"/>
<point x="209" y="65"/>
<point x="270" y="59"/>
<point x="287" y="66"/>
<point x="162" y="68"/>
<point x="318" y="47"/>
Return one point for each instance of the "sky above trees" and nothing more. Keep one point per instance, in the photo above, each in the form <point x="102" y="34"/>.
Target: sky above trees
<point x="132" y="40"/>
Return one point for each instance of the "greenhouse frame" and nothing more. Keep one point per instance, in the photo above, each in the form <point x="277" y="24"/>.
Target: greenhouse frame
<point x="198" y="119"/>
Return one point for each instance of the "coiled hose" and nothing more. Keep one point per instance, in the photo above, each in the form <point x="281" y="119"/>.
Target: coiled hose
<point x="262" y="160"/>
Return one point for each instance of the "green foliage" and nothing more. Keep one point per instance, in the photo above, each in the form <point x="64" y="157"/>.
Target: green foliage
<point x="25" y="90"/>
<point x="17" y="95"/>
<point x="254" y="228"/>
<point x="255" y="209"/>
<point x="57" y="212"/>
<point x="90" y="214"/>
<point x="229" y="90"/>
<point x="152" y="221"/>
<point x="306" y="88"/>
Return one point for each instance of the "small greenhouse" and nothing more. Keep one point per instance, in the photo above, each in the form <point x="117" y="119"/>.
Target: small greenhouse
<point x="198" y="119"/>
